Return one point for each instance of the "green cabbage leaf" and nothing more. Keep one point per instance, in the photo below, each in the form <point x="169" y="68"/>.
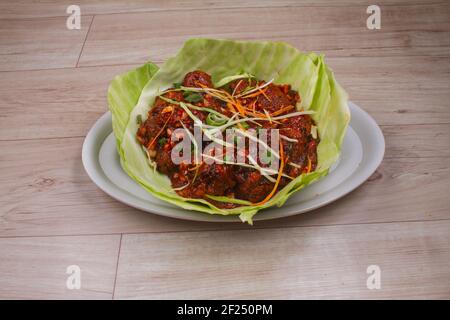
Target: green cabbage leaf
<point x="131" y="94"/>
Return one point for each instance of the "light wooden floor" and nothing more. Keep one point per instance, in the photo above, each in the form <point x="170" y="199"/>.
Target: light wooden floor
<point x="53" y="85"/>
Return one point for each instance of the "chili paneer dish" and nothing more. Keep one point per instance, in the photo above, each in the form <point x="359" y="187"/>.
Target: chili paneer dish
<point x="244" y="103"/>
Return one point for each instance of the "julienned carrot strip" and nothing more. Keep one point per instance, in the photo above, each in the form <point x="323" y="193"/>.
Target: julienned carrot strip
<point x="277" y="182"/>
<point x="216" y="91"/>
<point x="255" y="94"/>
<point x="239" y="107"/>
<point x="256" y="115"/>
<point x="231" y="107"/>
<point x="162" y="129"/>
<point x="254" y="106"/>
<point x="253" y="112"/>
<point x="264" y="93"/>
<point x="282" y="110"/>
<point x="233" y="104"/>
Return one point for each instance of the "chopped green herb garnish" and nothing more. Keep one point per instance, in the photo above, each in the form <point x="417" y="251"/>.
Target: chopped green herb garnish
<point x="177" y="85"/>
<point x="162" y="141"/>
<point x="139" y="119"/>
<point x="192" y="97"/>
<point x="215" y="120"/>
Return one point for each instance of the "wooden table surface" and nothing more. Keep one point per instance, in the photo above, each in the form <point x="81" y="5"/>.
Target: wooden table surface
<point x="53" y="84"/>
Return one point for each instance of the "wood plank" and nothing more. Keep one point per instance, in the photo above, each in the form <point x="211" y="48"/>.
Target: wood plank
<point x="69" y="101"/>
<point x="422" y="142"/>
<point x="293" y="263"/>
<point x="397" y="90"/>
<point x="35" y="268"/>
<point x="40" y="43"/>
<point x="52" y="215"/>
<point x="52" y="8"/>
<point x="329" y="30"/>
<point x="45" y="191"/>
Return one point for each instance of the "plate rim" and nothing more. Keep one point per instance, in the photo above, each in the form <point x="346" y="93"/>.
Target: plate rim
<point x="90" y="159"/>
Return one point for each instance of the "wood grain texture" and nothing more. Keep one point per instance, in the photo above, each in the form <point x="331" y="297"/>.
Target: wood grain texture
<point x="292" y="263"/>
<point x="40" y="43"/>
<point x="69" y="101"/>
<point x="56" y="8"/>
<point x="397" y="90"/>
<point x="35" y="268"/>
<point x="53" y="85"/>
<point x="47" y="192"/>
<point x="417" y="140"/>
<point x="330" y="30"/>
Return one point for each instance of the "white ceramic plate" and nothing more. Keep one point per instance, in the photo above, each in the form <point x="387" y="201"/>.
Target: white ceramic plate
<point x="362" y="152"/>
